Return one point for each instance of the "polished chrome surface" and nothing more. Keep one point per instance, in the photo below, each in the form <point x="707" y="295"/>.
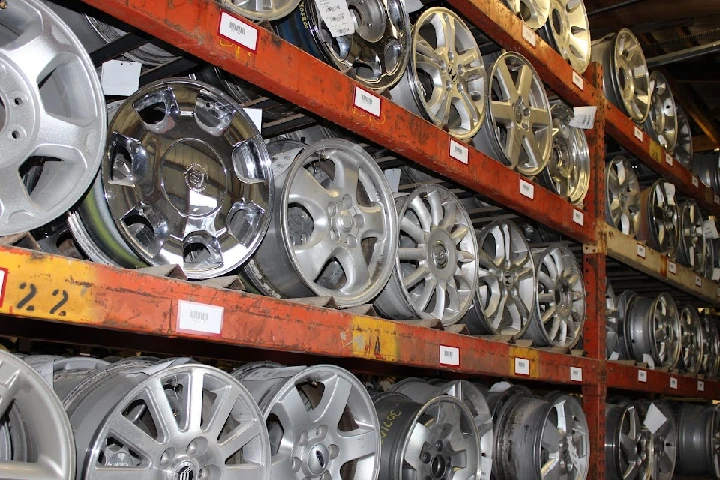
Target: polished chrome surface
<point x="653" y="330"/>
<point x="533" y="12"/>
<point x="628" y="449"/>
<point x="568" y="31"/>
<point x="518" y="126"/>
<point x="659" y="218"/>
<point x="691" y="249"/>
<point x="505" y="296"/>
<point x="662" y="123"/>
<point x="573" y="460"/>
<point x="52" y="117"/>
<point x="435" y="274"/>
<point x="612" y="324"/>
<point x="567" y="173"/>
<point x="622" y="196"/>
<point x="684" y="145"/>
<point x="260" y="10"/>
<point x="691" y="341"/>
<point x="445" y="80"/>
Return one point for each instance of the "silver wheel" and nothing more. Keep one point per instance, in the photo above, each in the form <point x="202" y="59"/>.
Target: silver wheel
<point x="435" y="274"/>
<point x="628" y="449"/>
<point x="52" y="117"/>
<point x="612" y="324"/>
<point x="683" y="147"/>
<point x="707" y="168"/>
<point x="334" y="230"/>
<point x="691" y="249"/>
<point x="568" y="171"/>
<point x="321" y="421"/>
<point x="533" y="12"/>
<point x="433" y="439"/>
<point x="574" y="452"/>
<point x="662" y="123"/>
<point x="622" y="196"/>
<point x="568" y="31"/>
<point x="626" y="79"/>
<point x="518" y="126"/>
<point x="261" y="10"/>
<point x="711" y="346"/>
<point x="698" y="448"/>
<point x="445" y="80"/>
<point x="691" y="341"/>
<point x="665" y="444"/>
<point x="625" y="303"/>
<point x="659" y="218"/>
<point x="505" y="295"/>
<point x="559" y="314"/>
<point x="653" y="330"/>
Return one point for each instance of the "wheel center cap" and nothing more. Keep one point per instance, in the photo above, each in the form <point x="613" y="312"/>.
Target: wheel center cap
<point x="185" y="471"/>
<point x="439" y="466"/>
<point x="317" y="459"/>
<point x="440" y="255"/>
<point x="346" y="221"/>
<point x="195" y="177"/>
<point x="509" y="280"/>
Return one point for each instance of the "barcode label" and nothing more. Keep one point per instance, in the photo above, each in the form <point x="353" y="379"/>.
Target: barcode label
<point x="642" y="376"/>
<point x="578" y="80"/>
<point x="459" y="152"/>
<point x="522" y="366"/>
<point x="700" y="386"/>
<point x="673" y="383"/>
<point x="669" y="159"/>
<point x="639" y="134"/>
<point x="641" y="252"/>
<point x="578" y="217"/>
<point x="449" y="356"/>
<point x="365" y="100"/>
<point x="528" y="35"/>
<point x="238" y="31"/>
<point x="199" y="317"/>
<point x="527" y="189"/>
<point x="672" y="267"/>
<point x="575" y="374"/>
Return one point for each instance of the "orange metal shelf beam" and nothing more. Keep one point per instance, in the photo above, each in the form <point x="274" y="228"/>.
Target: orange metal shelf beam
<point x="626" y="377"/>
<point x="299" y="78"/>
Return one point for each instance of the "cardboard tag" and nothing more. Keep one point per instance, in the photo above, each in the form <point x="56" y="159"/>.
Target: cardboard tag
<point x="120" y="78"/>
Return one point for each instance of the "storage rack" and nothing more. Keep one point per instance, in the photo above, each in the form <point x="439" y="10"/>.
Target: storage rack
<point x="64" y="299"/>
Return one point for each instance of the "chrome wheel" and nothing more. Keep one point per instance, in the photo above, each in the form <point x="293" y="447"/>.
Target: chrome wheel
<point x="659" y="218"/>
<point x="435" y="274"/>
<point x="334" y="230"/>
<point x="505" y="294"/>
<point x="52" y="117"/>
<point x="533" y="12"/>
<point x="626" y="79"/>
<point x="612" y="324"/>
<point x="711" y="346"/>
<point x="683" y="147"/>
<point x="574" y="453"/>
<point x="698" y="448"/>
<point x="518" y="126"/>
<point x="622" y="196"/>
<point x="665" y="444"/>
<point x="568" y="31"/>
<point x="662" y="123"/>
<point x="559" y="313"/>
<point x="691" y="341"/>
<point x="445" y="80"/>
<point x="264" y="10"/>
<point x="628" y="449"/>
<point x="691" y="249"/>
<point x="653" y="330"/>
<point x="321" y="421"/>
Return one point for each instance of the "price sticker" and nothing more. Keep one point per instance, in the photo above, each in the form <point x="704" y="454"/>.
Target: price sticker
<point x="449" y="356"/>
<point x="459" y="152"/>
<point x="698" y="281"/>
<point x="669" y="159"/>
<point x="522" y="366"/>
<point x="695" y="181"/>
<point x="337" y="17"/>
<point x="527" y="189"/>
<point x="673" y="383"/>
<point x="578" y="80"/>
<point x="578" y="217"/>
<point x="639" y="134"/>
<point x="120" y="78"/>
<point x="528" y="35"/>
<point x="641" y="251"/>
<point x="672" y="267"/>
<point x="583" y="117"/>
<point x="700" y="386"/>
<point x="199" y="317"/>
<point x="642" y="376"/>
<point x="365" y="100"/>
<point x="238" y="31"/>
<point x="575" y="374"/>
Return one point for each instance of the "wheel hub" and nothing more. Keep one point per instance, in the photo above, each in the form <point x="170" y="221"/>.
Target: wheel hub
<point x="438" y="457"/>
<point x="346" y="222"/>
<point x="442" y="254"/>
<point x="317" y="459"/>
<point x="370" y="19"/>
<point x="185" y="470"/>
<point x="18" y="115"/>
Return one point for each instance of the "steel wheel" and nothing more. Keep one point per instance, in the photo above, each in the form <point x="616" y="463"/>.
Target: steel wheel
<point x="691" y="249"/>
<point x="698" y="448"/>
<point x="574" y="453"/>
<point x="665" y="444"/>
<point x="568" y="171"/>
<point x="622" y="196"/>
<point x="518" y="126"/>
<point x="612" y="324"/>
<point x="435" y="439"/>
<point x="691" y="341"/>
<point x="659" y="218"/>
<point x="505" y="295"/>
<point x="52" y="117"/>
<point x="559" y="313"/>
<point x="653" y="329"/>
<point x="683" y="147"/>
<point x="567" y="30"/>
<point x="435" y="274"/>
<point x="626" y="79"/>
<point x="321" y="421"/>
<point x="334" y="230"/>
<point x="261" y="10"/>
<point x="445" y="80"/>
<point x="711" y="346"/>
<point x="662" y="122"/>
<point x="628" y="448"/>
<point x="625" y="304"/>
<point x="533" y="12"/>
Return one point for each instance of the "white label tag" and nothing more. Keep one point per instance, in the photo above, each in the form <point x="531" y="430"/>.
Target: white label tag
<point x="393" y="178"/>
<point x="522" y="366"/>
<point x="199" y="317"/>
<point x="695" y="181"/>
<point x="710" y="229"/>
<point x="672" y="267"/>
<point x="527" y="189"/>
<point x="700" y="386"/>
<point x="654" y="419"/>
<point x="449" y="355"/>
<point x="337" y="17"/>
<point x="642" y="376"/>
<point x="365" y="100"/>
<point x="120" y="78"/>
<point x="641" y="252"/>
<point x="639" y="134"/>
<point x="282" y="161"/>
<point x="413" y="5"/>
<point x="3" y="282"/>
<point x="583" y="117"/>
<point x="578" y="217"/>
<point x="673" y="383"/>
<point x="575" y="374"/>
<point x="614" y="356"/>
<point x="255" y="115"/>
<point x="698" y="281"/>
<point x="668" y="159"/>
<point x="459" y="152"/>
<point x="500" y="387"/>
<point x="578" y="80"/>
<point x="270" y="373"/>
<point x="485" y="467"/>
<point x="528" y="34"/>
<point x="238" y="31"/>
<point x="648" y="360"/>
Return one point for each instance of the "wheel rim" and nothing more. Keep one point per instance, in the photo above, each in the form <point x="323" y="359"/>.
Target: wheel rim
<point x="518" y="126"/>
<point x="506" y="288"/>
<point x="659" y="225"/>
<point x="653" y="329"/>
<point x="568" y="171"/>
<point x="612" y="323"/>
<point x="52" y="133"/>
<point x="560" y="294"/>
<point x="261" y="10"/>
<point x="321" y="420"/>
<point x="625" y="303"/>
<point x="665" y="445"/>
<point x="533" y="12"/>
<point x="436" y="267"/>
<point x="683" y="147"/>
<point x="691" y="334"/>
<point x="662" y="122"/>
<point x="446" y="78"/>
<point x="574" y="451"/>
<point x="626" y="445"/>
<point x="711" y="346"/>
<point x="691" y="250"/>
<point x="622" y="196"/>
<point x="698" y="440"/>
<point x="568" y="30"/>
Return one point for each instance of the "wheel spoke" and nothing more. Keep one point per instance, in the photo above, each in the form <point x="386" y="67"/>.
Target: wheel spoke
<point x="422" y="212"/>
<point x="373" y="221"/>
<point x="306" y="191"/>
<point x="248" y="429"/>
<point x="148" y="448"/>
<point x="415" y="277"/>
<point x="161" y="411"/>
<point x="224" y="402"/>
<point x="358" y="444"/>
<point x="333" y="403"/>
<point x="440" y="300"/>
<point x="347" y="174"/>
<point x="291" y="413"/>
<point x="312" y="257"/>
<point x="524" y="84"/>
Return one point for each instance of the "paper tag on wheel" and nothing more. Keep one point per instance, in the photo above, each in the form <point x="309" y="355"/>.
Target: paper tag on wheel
<point x="583" y="117"/>
<point x="649" y="361"/>
<point x="337" y="17"/>
<point x="485" y="467"/>
<point x="614" y="356"/>
<point x="255" y="115"/>
<point x="499" y="387"/>
<point x="654" y="419"/>
<point x="710" y="229"/>
<point x="120" y="78"/>
<point x="393" y="178"/>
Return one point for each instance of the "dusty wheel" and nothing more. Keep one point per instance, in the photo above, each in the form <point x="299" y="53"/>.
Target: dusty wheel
<point x="629" y="449"/>
<point x="662" y="122"/>
<point x="692" y="245"/>
<point x="665" y="442"/>
<point x="533" y="12"/>
<point x="574" y="451"/>
<point x="691" y="341"/>
<point x="622" y="196"/>
<point x="652" y="329"/>
<point x="567" y="30"/>
<point x="683" y="147"/>
<point x="711" y="346"/>
<point x="660" y="218"/>
<point x="612" y="324"/>
<point x="698" y="450"/>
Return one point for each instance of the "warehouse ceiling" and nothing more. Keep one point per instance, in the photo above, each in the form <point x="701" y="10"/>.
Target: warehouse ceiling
<point x="681" y="39"/>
